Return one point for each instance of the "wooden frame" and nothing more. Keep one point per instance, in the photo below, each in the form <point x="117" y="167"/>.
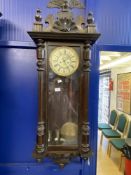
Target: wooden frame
<point x="124" y="92"/>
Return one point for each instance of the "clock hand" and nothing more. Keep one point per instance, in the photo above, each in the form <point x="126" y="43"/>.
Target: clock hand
<point x="64" y="61"/>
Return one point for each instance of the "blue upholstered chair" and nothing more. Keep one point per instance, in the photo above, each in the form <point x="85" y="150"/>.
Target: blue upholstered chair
<point x="111" y="123"/>
<point x="119" y="143"/>
<point x="118" y="131"/>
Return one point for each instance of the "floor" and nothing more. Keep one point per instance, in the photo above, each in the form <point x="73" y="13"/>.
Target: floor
<point x="106" y="165"/>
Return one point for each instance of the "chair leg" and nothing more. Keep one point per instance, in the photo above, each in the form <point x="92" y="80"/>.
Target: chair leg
<point x="101" y="139"/>
<point x="110" y="150"/>
<point x="121" y="158"/>
<point x="108" y="147"/>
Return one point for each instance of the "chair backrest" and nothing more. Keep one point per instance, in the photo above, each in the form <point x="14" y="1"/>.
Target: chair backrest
<point x="129" y="131"/>
<point x="113" y="117"/>
<point x="122" y="122"/>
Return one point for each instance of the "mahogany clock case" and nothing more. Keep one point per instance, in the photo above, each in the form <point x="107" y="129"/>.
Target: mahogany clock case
<point x="66" y="98"/>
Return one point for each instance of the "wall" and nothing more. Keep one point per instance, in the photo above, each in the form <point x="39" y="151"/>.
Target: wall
<point x="113" y="21"/>
<point x="18" y="94"/>
<point x="114" y="73"/>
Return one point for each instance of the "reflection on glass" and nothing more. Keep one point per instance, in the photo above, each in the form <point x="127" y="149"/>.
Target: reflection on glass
<point x="63" y="110"/>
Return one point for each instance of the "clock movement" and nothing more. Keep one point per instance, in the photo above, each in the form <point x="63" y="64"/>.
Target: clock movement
<point x="63" y="62"/>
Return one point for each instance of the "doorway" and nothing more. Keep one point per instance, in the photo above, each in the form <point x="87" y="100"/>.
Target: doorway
<point x="112" y="63"/>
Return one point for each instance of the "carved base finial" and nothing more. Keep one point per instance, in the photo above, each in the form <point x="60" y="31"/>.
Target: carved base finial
<point x="62" y="159"/>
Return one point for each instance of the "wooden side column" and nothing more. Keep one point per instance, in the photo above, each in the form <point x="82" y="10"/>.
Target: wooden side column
<point x="84" y="148"/>
<point x="40" y="145"/>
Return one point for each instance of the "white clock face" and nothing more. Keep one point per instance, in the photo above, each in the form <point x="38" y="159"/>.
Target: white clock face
<point x="64" y="61"/>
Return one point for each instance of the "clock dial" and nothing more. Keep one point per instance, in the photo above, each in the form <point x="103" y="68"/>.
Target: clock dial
<point x="64" y="61"/>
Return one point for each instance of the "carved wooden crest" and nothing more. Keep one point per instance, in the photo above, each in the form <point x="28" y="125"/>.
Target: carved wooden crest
<point x="64" y="20"/>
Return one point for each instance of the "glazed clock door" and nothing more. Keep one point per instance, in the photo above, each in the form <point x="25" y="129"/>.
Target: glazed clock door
<point x="63" y="94"/>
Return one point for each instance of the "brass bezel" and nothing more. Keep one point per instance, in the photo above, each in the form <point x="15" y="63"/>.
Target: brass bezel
<point x="58" y="50"/>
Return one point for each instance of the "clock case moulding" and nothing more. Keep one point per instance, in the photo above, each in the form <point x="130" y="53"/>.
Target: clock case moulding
<point x="65" y="30"/>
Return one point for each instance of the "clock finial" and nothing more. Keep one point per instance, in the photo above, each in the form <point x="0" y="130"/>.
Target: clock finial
<point x="38" y="17"/>
<point x="38" y="26"/>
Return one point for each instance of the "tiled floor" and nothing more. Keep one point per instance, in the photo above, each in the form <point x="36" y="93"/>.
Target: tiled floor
<point x="106" y="165"/>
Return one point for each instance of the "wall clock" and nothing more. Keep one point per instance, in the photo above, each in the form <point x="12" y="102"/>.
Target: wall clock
<point x="63" y="64"/>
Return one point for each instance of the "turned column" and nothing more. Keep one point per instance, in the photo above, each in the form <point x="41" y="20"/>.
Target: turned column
<point x="84" y="148"/>
<point x="41" y="68"/>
